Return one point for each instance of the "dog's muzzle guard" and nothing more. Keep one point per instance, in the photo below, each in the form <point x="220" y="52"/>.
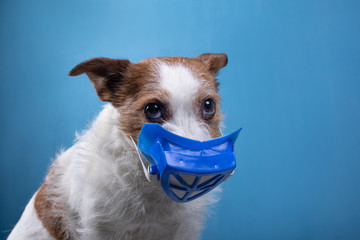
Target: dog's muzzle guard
<point x="186" y="168"/>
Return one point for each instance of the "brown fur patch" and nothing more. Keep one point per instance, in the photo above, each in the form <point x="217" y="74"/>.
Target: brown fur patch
<point x="133" y="85"/>
<point x="50" y="211"/>
<point x="141" y="86"/>
<point x="206" y="92"/>
<point x="105" y="74"/>
<point x="213" y="61"/>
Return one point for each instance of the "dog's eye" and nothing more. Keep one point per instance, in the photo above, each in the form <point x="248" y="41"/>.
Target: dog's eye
<point x="153" y="111"/>
<point x="208" y="109"/>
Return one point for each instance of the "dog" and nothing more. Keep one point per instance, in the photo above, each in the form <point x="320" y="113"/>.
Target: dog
<point x="96" y="190"/>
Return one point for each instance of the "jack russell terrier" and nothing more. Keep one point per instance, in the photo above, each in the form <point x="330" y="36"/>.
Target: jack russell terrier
<point x="96" y="190"/>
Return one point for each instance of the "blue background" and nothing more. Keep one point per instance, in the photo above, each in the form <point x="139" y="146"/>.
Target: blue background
<point x="292" y="83"/>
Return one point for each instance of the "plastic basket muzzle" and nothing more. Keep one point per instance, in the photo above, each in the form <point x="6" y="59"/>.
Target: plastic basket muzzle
<point x="187" y="168"/>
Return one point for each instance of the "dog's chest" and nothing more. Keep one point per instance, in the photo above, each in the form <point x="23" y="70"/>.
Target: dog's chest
<point x="153" y="218"/>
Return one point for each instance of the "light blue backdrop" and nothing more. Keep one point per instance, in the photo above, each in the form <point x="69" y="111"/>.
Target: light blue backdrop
<point x="292" y="83"/>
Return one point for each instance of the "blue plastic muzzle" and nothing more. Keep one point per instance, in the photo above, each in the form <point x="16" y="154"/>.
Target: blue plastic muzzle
<point x="186" y="168"/>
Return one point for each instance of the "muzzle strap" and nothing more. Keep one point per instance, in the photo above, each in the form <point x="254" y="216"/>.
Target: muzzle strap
<point x="142" y="160"/>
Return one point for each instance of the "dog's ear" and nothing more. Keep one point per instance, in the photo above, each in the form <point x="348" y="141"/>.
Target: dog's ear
<point x="105" y="74"/>
<point x="214" y="61"/>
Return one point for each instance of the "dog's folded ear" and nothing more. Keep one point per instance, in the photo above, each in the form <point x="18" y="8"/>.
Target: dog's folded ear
<point x="214" y="61"/>
<point x="105" y="74"/>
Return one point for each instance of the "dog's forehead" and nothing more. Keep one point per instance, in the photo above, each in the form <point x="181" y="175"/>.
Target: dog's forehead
<point x="178" y="80"/>
<point x="177" y="65"/>
<point x="176" y="74"/>
<point x="181" y="79"/>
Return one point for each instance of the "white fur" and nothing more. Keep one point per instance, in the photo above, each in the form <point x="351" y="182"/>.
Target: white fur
<point x="30" y="226"/>
<point x="182" y="86"/>
<point x="102" y="184"/>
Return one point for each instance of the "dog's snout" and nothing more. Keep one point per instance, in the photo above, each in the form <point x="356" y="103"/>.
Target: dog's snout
<point x="192" y="130"/>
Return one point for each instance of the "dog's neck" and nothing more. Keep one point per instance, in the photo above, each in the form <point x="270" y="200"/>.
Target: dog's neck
<point x="105" y="132"/>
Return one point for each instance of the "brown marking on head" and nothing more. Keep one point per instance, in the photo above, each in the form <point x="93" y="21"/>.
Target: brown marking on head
<point x="105" y="74"/>
<point x="213" y="123"/>
<point x="131" y="86"/>
<point x="213" y="61"/>
<point x="51" y="211"/>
